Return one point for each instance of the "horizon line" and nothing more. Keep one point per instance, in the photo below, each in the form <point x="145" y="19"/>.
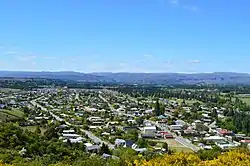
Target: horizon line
<point x="96" y="72"/>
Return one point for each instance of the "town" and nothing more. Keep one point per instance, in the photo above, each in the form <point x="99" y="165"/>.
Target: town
<point x="103" y="120"/>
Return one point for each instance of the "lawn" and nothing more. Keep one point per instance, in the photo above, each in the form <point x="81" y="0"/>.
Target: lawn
<point x="190" y="102"/>
<point x="181" y="149"/>
<point x="6" y="90"/>
<point x="244" y="98"/>
<point x="7" y="117"/>
<point x="14" y="112"/>
<point x="174" y="145"/>
<point x="33" y="129"/>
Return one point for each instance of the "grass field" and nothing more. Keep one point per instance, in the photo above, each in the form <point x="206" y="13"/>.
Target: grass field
<point x="9" y="115"/>
<point x="174" y="145"/>
<point x="244" y="98"/>
<point x="33" y="129"/>
<point x="6" y="90"/>
<point x="188" y="101"/>
<point x="15" y="112"/>
<point x="181" y="149"/>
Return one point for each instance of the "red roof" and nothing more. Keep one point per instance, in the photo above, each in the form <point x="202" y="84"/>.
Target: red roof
<point x="224" y="131"/>
<point x="163" y="132"/>
<point x="245" y="141"/>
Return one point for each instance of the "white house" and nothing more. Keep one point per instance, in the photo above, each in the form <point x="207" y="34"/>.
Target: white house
<point x="149" y="131"/>
<point x="215" y="139"/>
<point x="120" y="142"/>
<point x="92" y="148"/>
<point x="176" y="127"/>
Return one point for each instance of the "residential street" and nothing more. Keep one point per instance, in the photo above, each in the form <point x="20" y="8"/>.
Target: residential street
<point x="90" y="134"/>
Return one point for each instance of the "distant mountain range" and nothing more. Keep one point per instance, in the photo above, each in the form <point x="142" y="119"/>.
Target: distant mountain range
<point x="138" y="78"/>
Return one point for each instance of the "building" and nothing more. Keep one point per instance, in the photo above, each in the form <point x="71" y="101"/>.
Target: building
<point x="215" y="139"/>
<point x="149" y="131"/>
<point x="176" y="127"/>
<point x="92" y="148"/>
<point x="224" y="132"/>
<point x="75" y="140"/>
<point x="120" y="142"/>
<point x="166" y="135"/>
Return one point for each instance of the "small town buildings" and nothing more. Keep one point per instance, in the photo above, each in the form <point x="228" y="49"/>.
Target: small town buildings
<point x="149" y="131"/>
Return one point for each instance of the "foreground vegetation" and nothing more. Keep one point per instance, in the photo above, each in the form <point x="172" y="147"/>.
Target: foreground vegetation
<point x="46" y="149"/>
<point x="234" y="158"/>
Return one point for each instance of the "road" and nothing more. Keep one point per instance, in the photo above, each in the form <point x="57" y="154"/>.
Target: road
<point x="90" y="134"/>
<point x="187" y="144"/>
<point x="96" y="139"/>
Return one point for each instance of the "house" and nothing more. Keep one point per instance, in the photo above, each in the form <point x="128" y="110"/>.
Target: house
<point x="180" y="122"/>
<point x="79" y="114"/>
<point x="226" y="146"/>
<point x="62" y="126"/>
<point x="224" y="132"/>
<point x="120" y="142"/>
<point x="149" y="131"/>
<point x="68" y="131"/>
<point x="136" y="113"/>
<point x="132" y="121"/>
<point x="189" y="131"/>
<point x="129" y="143"/>
<point x="2" y="106"/>
<point x="92" y="148"/>
<point x="149" y="111"/>
<point x="176" y="127"/>
<point x="166" y="135"/>
<point x="137" y="149"/>
<point x="245" y="141"/>
<point x="215" y="139"/>
<point x="70" y="136"/>
<point x="161" y="117"/>
<point x="76" y="140"/>
<point x="105" y="134"/>
<point x="106" y="156"/>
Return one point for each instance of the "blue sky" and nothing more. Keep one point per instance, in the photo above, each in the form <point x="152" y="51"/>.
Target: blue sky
<point x="125" y="35"/>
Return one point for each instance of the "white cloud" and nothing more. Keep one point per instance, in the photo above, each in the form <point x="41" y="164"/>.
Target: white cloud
<point x="10" y="52"/>
<point x="27" y="58"/>
<point x="194" y="61"/>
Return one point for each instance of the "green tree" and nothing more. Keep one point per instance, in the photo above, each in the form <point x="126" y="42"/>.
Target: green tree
<point x="157" y="108"/>
<point x="165" y="146"/>
<point x="104" y="149"/>
<point x="131" y="135"/>
<point x="142" y="143"/>
<point x="38" y="130"/>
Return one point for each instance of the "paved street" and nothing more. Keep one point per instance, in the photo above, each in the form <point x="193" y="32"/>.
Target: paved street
<point x="96" y="139"/>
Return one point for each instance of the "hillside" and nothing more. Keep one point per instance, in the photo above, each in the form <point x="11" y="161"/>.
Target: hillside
<point x="137" y="78"/>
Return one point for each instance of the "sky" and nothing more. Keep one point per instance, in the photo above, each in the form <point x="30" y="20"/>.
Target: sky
<point x="184" y="36"/>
